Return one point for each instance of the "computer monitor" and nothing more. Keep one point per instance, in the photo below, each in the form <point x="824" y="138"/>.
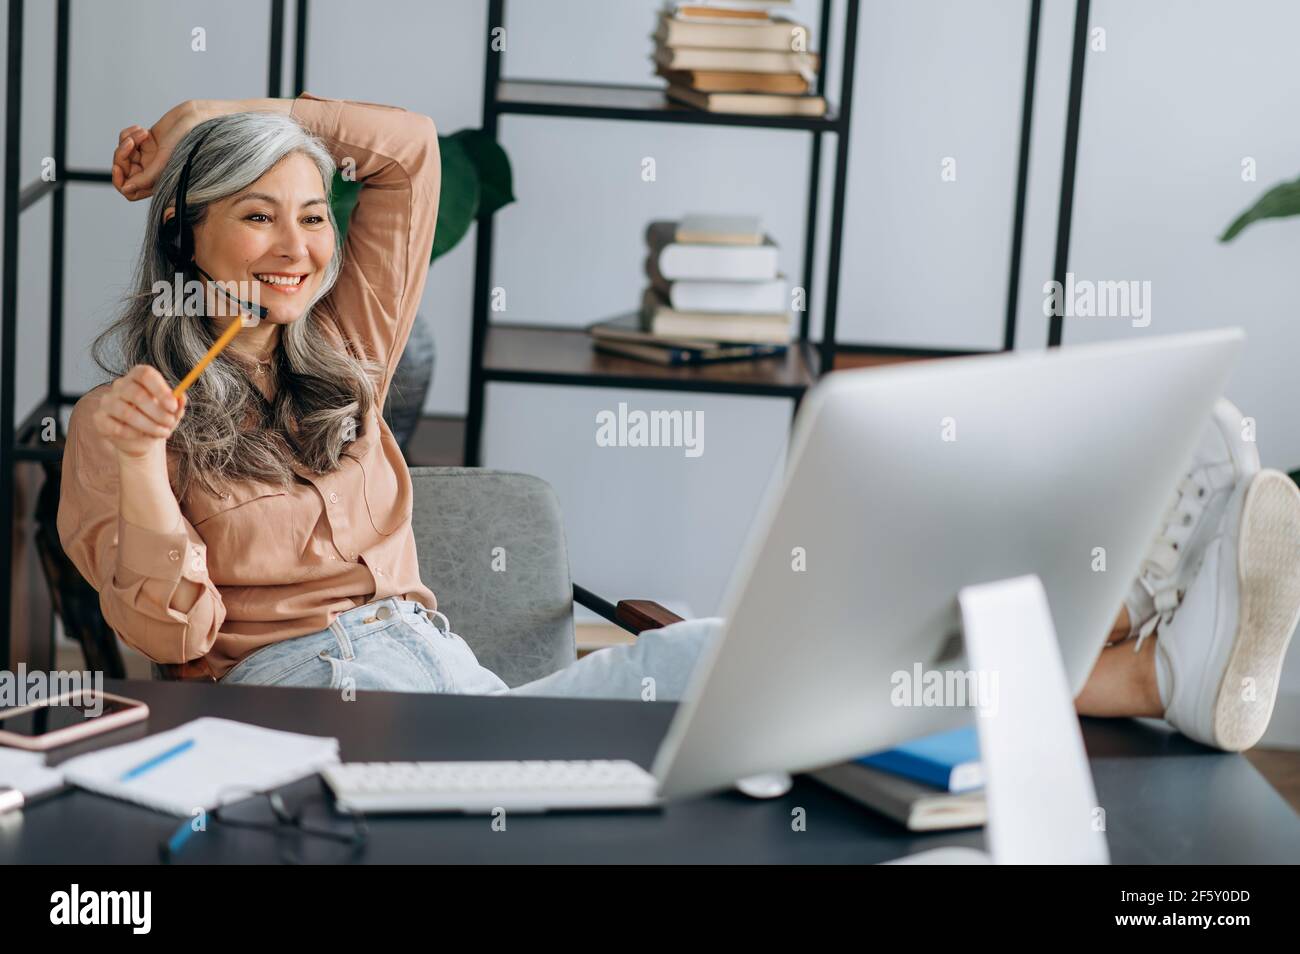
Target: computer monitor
<point x="905" y="484"/>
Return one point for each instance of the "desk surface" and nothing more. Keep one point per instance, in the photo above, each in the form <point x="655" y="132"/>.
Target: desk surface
<point x="1167" y="799"/>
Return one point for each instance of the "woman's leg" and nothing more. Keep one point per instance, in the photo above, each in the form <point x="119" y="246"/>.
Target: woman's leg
<point x="1209" y="664"/>
<point x="657" y="667"/>
<point x="1123" y="682"/>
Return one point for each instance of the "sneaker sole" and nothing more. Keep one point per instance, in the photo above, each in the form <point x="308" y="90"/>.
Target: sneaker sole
<point x="1268" y="578"/>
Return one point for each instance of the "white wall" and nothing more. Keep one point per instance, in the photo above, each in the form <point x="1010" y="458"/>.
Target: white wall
<point x="1183" y="91"/>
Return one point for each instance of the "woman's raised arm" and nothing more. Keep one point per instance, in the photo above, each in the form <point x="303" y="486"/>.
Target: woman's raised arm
<point x="392" y="151"/>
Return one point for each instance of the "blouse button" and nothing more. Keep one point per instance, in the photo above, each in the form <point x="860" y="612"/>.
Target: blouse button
<point x="173" y="554"/>
<point x="334" y="498"/>
<point x="378" y="572"/>
<point x="225" y="496"/>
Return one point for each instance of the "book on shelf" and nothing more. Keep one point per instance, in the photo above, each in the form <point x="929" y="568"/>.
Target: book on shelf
<point x="716" y="13"/>
<point x="753" y="61"/>
<point x="633" y="328"/>
<point x="675" y="356"/>
<point x="756" y="65"/>
<point x="717" y="296"/>
<point x="767" y="33"/>
<point x="915" y="805"/>
<point x="735" y="81"/>
<point x="750" y="328"/>
<point x="725" y="8"/>
<point x="709" y="262"/>
<point x="750" y="104"/>
<point x="716" y="229"/>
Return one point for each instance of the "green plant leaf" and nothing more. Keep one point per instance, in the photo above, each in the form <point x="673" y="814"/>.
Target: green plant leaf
<point x="476" y="180"/>
<point x="343" y="199"/>
<point x="458" y="201"/>
<point x="1278" y="202"/>
<point x="496" y="180"/>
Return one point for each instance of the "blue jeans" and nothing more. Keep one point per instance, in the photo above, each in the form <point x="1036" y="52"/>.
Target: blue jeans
<point x="396" y="645"/>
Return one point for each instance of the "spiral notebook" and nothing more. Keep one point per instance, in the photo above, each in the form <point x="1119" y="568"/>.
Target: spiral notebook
<point x="226" y="761"/>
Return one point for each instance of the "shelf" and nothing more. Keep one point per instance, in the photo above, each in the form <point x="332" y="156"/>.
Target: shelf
<point x="541" y="355"/>
<point x="635" y="103"/>
<point x="846" y="361"/>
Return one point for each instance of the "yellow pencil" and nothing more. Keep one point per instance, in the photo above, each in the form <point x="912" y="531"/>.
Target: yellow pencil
<point x="217" y="346"/>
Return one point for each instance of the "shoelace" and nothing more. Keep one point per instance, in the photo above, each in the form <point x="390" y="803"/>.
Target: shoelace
<point x="1156" y="575"/>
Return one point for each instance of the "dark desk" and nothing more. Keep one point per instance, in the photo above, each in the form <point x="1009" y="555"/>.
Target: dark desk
<point x="1167" y="800"/>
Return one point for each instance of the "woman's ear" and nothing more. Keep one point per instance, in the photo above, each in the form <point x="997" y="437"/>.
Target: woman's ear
<point x="169" y="213"/>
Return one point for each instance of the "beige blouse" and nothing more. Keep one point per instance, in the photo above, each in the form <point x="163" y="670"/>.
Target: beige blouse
<point x="275" y="564"/>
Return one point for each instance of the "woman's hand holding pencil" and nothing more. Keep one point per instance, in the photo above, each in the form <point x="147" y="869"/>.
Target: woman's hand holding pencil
<point x="140" y="412"/>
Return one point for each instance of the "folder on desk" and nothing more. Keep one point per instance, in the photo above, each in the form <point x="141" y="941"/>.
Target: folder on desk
<point x="226" y="762"/>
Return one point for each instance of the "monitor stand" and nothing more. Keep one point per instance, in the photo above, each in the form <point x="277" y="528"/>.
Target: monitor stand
<point x="1042" y="807"/>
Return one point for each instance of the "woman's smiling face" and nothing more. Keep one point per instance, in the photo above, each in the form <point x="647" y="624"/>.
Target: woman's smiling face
<point x="273" y="237"/>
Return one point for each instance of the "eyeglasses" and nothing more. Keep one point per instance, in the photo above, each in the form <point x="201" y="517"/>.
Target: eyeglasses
<point x="287" y="817"/>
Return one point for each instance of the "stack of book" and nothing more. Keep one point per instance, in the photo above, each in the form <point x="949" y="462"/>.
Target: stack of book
<point x="727" y="57"/>
<point x="715" y="293"/>
<point x="932" y="783"/>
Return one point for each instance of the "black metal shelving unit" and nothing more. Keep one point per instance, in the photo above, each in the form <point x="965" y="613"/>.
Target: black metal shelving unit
<point x="517" y="362"/>
<point x="16" y="441"/>
<point x="533" y="354"/>
<point x="562" y="355"/>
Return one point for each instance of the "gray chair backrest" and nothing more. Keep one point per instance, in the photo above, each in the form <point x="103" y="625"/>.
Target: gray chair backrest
<point x="491" y="546"/>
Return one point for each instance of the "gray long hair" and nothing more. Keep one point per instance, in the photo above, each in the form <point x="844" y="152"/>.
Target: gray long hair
<point x="230" y="432"/>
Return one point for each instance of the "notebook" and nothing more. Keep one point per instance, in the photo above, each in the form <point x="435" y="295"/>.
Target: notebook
<point x="225" y="755"/>
<point x="27" y="772"/>
<point x="919" y="807"/>
<point x="947" y="760"/>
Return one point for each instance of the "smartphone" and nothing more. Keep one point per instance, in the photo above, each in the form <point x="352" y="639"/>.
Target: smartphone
<point x="67" y="718"/>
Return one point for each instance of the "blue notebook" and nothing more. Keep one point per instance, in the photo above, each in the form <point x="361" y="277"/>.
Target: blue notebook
<point x="949" y="761"/>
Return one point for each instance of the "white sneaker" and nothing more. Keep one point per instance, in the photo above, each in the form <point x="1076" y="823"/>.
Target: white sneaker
<point x="1219" y="656"/>
<point x="1223" y="461"/>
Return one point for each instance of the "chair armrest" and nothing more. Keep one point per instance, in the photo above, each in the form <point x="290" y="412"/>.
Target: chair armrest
<point x="633" y="615"/>
<point x="638" y="615"/>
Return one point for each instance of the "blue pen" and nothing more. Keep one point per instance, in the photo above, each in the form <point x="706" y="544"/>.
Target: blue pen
<point x="156" y="760"/>
<point x="177" y="841"/>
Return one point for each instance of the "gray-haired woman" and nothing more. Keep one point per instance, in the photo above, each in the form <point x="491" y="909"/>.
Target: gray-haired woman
<point x="259" y="529"/>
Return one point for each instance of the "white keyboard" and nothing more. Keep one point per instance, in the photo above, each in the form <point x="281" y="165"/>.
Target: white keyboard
<point x="483" y="787"/>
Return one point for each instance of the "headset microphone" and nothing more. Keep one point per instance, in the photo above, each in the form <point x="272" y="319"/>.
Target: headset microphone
<point x="178" y="242"/>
